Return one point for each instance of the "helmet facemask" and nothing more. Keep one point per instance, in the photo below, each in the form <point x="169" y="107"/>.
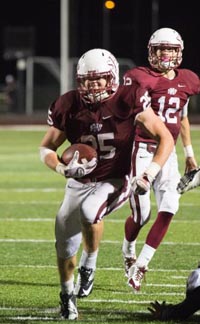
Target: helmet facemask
<point x="89" y="87"/>
<point x="164" y="62"/>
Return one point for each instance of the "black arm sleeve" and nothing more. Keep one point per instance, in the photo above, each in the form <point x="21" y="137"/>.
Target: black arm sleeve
<point x="184" y="309"/>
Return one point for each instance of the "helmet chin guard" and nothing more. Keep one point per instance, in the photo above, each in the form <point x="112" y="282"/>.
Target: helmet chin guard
<point x="161" y="39"/>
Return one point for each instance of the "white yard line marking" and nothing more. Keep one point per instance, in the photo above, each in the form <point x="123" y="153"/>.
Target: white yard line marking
<point x="102" y="242"/>
<point x="115" y="221"/>
<point x="109" y="269"/>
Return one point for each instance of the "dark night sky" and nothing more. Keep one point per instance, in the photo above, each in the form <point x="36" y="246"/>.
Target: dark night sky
<point x="130" y="27"/>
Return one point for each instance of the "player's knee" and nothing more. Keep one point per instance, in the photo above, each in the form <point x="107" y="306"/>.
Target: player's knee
<point x="68" y="248"/>
<point x="169" y="204"/>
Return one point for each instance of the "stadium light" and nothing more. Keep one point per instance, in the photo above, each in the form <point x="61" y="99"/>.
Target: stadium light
<point x="109" y="5"/>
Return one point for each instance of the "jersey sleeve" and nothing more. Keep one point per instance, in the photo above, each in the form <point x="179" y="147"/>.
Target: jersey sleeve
<point x="143" y="99"/>
<point x="59" y="110"/>
<point x="54" y="117"/>
<point x="129" y="77"/>
<point x="193" y="81"/>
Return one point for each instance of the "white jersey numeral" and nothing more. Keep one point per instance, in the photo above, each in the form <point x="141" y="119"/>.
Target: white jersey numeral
<point x="167" y="114"/>
<point x="101" y="142"/>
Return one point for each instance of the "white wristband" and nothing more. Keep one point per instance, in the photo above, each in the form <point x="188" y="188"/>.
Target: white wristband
<point x="60" y="168"/>
<point x="188" y="151"/>
<point x="153" y="169"/>
<point x="44" y="151"/>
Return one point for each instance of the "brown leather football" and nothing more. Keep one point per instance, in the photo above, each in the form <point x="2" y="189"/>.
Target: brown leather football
<point x="86" y="152"/>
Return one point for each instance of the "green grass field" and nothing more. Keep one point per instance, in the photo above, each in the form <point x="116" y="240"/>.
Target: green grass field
<point x="29" y="284"/>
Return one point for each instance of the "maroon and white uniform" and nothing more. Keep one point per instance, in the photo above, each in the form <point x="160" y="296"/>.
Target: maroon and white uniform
<point x="169" y="100"/>
<point x="109" y="128"/>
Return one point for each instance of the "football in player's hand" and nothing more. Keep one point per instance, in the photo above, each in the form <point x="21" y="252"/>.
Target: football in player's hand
<point x="86" y="153"/>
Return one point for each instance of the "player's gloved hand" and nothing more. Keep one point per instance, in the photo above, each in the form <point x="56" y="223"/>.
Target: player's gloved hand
<point x="156" y="309"/>
<point x="189" y="181"/>
<point x="75" y="169"/>
<point x="160" y="311"/>
<point x="190" y="164"/>
<point x="141" y="184"/>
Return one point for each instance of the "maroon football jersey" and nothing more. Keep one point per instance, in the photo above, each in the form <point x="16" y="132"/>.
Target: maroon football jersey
<point x="108" y="126"/>
<point x="168" y="97"/>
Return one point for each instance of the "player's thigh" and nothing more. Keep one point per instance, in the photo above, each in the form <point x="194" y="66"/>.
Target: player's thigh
<point x="98" y="203"/>
<point x="141" y="204"/>
<point x="141" y="207"/>
<point x="166" y="194"/>
<point x="141" y="160"/>
<point x="68" y="224"/>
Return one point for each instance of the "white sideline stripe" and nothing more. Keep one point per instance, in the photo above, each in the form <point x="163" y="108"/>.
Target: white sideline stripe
<point x="46" y="318"/>
<point x="101" y="269"/>
<point x="102" y="242"/>
<point x="27" y="318"/>
<point x="53" y="310"/>
<point x="24" y="127"/>
<point x="157" y="294"/>
<point x="39" y="219"/>
<point x="44" y="127"/>
<point x="120" y="221"/>
<point x="25" y="202"/>
<point x="32" y="190"/>
<point x="195" y="190"/>
<point x="26" y="219"/>
<point x="32" y="202"/>
<point x="82" y="301"/>
<point x="25" y="240"/>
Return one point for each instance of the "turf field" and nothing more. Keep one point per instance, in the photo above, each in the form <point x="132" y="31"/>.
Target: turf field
<point x="29" y="285"/>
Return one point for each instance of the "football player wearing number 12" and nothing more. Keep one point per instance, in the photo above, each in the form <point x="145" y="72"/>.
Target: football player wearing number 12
<point x="103" y="114"/>
<point x="170" y="89"/>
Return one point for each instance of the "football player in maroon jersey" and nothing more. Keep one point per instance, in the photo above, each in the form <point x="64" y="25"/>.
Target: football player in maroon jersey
<point x="103" y="114"/>
<point x="170" y="89"/>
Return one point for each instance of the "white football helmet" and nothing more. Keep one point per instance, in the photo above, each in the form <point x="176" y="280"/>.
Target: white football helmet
<point x="161" y="38"/>
<point x="95" y="64"/>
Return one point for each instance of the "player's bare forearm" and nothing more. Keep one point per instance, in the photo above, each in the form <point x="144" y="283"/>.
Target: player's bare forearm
<point x="157" y="129"/>
<point x="190" y="161"/>
<point x="48" y="146"/>
<point x="185" y="131"/>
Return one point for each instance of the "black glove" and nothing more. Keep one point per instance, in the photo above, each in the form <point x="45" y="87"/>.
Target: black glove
<point x="159" y="310"/>
<point x="189" y="181"/>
